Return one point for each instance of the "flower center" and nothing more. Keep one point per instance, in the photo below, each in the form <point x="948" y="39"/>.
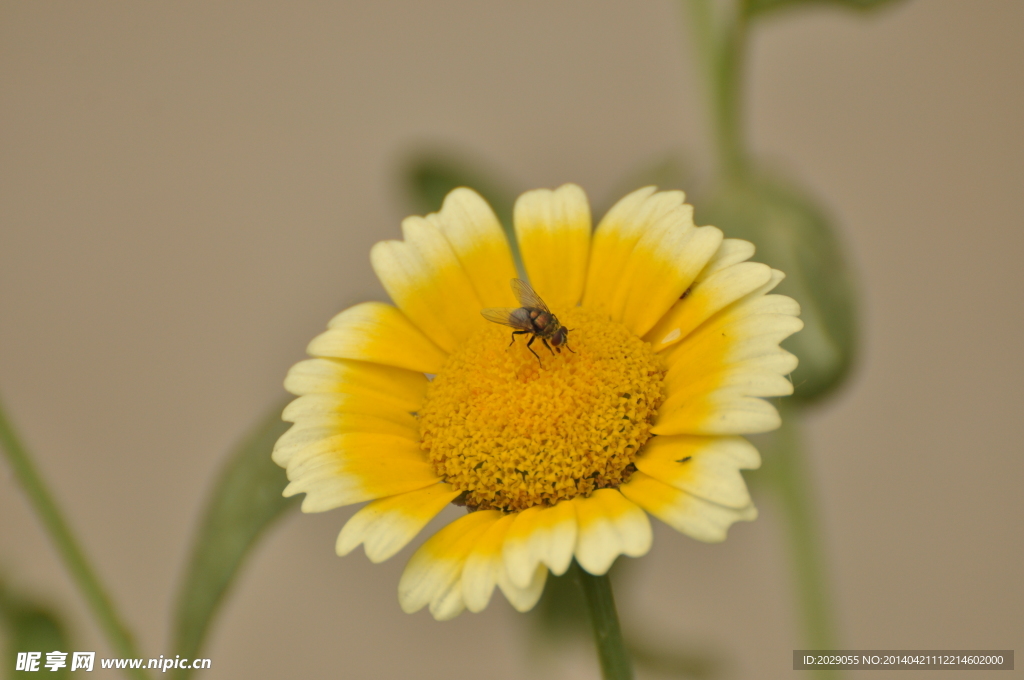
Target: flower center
<point x="511" y="432"/>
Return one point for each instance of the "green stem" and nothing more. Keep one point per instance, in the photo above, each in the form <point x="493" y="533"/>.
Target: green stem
<point x="74" y="559"/>
<point x="790" y="478"/>
<point x="721" y="44"/>
<point x="611" y="650"/>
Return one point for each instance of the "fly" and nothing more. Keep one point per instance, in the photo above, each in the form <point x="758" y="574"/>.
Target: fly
<point x="533" y="318"/>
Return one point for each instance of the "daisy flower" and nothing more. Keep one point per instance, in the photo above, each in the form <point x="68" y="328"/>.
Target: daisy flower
<point x="671" y="344"/>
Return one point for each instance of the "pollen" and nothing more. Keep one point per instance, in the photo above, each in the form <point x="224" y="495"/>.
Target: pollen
<point x="511" y="432"/>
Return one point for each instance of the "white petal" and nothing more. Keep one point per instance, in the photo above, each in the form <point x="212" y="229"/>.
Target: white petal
<point x="424" y="277"/>
<point x="484" y="567"/>
<point x="730" y="252"/>
<point x="540" y="536"/>
<point x="705" y="299"/>
<point x="377" y="332"/>
<point x="434" y="574"/>
<point x="686" y="513"/>
<point x="610" y="526"/>
<point x="387" y="525"/>
<point x="707" y="467"/>
<point x="478" y="241"/>
<point x="524" y="599"/>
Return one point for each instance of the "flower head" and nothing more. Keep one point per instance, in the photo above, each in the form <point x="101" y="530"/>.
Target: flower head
<point x="672" y="343"/>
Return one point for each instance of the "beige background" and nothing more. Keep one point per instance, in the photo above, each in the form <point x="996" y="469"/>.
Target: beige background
<point x="189" y="191"/>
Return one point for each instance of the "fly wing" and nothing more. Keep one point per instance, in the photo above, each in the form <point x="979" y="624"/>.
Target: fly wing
<point x="507" y="316"/>
<point x="527" y="296"/>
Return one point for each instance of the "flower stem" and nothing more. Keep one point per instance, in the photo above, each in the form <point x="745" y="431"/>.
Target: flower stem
<point x="721" y="43"/>
<point x="74" y="559"/>
<point x="611" y="650"/>
<point x="791" y="483"/>
<point x="720" y="34"/>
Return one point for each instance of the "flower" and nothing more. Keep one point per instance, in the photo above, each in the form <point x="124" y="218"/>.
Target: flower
<point x="672" y="344"/>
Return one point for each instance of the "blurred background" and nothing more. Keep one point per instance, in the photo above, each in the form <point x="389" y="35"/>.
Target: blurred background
<point x="189" y="191"/>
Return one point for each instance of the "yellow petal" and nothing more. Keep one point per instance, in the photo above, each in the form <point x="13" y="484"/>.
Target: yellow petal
<point x="727" y="340"/>
<point x="706" y="298"/>
<point x="715" y="374"/>
<point x="610" y="526"/>
<point x="478" y="241"/>
<point x="423" y="276"/>
<point x="319" y="406"/>
<point x="540" y="536"/>
<point x="314" y="429"/>
<point x="377" y="332"/>
<point x="553" y="229"/>
<point x="742" y="378"/>
<point x="387" y="525"/>
<point x="404" y="388"/>
<point x="707" y="467"/>
<point x="724" y="283"/>
<point x="661" y="267"/>
<point x="617" y="235"/>
<point x="484" y="566"/>
<point x="433" y="575"/>
<point x="720" y="413"/>
<point x="693" y="516"/>
<point x="355" y="467"/>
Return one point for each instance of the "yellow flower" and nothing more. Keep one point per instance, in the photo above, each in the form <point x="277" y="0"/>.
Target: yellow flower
<point x="673" y="341"/>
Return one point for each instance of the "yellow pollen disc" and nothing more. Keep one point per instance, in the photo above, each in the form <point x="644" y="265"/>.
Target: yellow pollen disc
<point x="511" y="432"/>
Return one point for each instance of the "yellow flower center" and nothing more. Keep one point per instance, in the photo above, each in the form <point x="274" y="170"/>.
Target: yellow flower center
<point x="511" y="432"/>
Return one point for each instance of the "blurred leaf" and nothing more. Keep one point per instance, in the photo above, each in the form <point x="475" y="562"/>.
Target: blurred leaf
<point x="428" y="177"/>
<point x="756" y="8"/>
<point x="31" y="627"/>
<point x="793" y="234"/>
<point x="676" y="660"/>
<point x="244" y="502"/>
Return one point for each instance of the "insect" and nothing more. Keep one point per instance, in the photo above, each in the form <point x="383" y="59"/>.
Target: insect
<point x="533" y="317"/>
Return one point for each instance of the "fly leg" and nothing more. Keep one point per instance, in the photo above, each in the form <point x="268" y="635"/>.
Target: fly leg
<point x="566" y="341"/>
<point x="514" y="334"/>
<point x="549" y="347"/>
<point x="531" y="349"/>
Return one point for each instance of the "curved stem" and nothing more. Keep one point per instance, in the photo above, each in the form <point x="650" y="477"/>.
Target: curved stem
<point x="74" y="559"/>
<point x="791" y="482"/>
<point x="611" y="650"/>
<point x="721" y="44"/>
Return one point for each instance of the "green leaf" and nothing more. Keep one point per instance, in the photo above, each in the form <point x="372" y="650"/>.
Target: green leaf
<point x="428" y="177"/>
<point x="674" y="659"/>
<point x="31" y="627"/>
<point x="760" y="7"/>
<point x="793" y="234"/>
<point x="244" y="502"/>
